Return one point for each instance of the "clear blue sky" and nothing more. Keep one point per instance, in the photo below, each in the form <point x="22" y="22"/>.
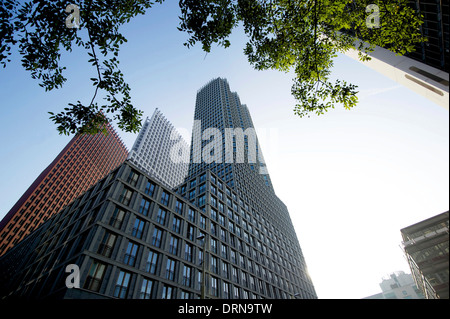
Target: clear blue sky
<point x="350" y="179"/>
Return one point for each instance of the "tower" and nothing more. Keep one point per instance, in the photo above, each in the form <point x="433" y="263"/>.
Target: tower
<point x="82" y="163"/>
<point x="224" y="142"/>
<point x="152" y="151"/>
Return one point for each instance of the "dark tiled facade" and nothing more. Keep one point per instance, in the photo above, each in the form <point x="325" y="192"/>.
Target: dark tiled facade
<point x="133" y="238"/>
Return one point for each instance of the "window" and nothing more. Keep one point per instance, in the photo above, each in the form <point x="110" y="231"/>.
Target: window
<point x="173" y="245"/>
<point x="214" y="245"/>
<point x="187" y="272"/>
<point x="191" y="215"/>
<point x="192" y="183"/>
<point x="234" y="273"/>
<point x="202" y="178"/>
<point x="145" y="205"/>
<point x="138" y="228"/>
<point x="150" y="188"/>
<point x="226" y="291"/>
<point x="185" y="295"/>
<point x="179" y="207"/>
<point x="213" y="201"/>
<point x="224" y="251"/>
<point x="167" y="292"/>
<point x="202" y="222"/>
<point x="95" y="276"/>
<point x="188" y="252"/>
<point x="122" y="285"/>
<point x="170" y="269"/>
<point x="165" y="198"/>
<point x="213" y="229"/>
<point x="214" y="290"/>
<point x="125" y="197"/>
<point x="202" y="188"/>
<point x="201" y="200"/>
<point x="130" y="255"/>
<point x="146" y="289"/>
<point x="236" y="293"/>
<point x="214" y="267"/>
<point x="152" y="261"/>
<point x="156" y="239"/>
<point x="213" y="214"/>
<point x="190" y="232"/>
<point x="107" y="244"/>
<point x="176" y="226"/>
<point x="117" y="218"/>
<point x="133" y="178"/>
<point x="161" y="216"/>
<point x="192" y="194"/>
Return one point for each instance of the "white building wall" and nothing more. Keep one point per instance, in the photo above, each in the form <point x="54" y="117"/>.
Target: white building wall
<point x="152" y="151"/>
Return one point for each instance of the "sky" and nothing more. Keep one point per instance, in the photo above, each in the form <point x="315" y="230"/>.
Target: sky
<point x="350" y="179"/>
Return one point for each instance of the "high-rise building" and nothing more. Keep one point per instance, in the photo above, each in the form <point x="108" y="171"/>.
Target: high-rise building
<point x="398" y="285"/>
<point x="161" y="151"/>
<point x="222" y="233"/>
<point x="426" y="248"/>
<point x="83" y="162"/>
<point x="224" y="141"/>
<point x="425" y="71"/>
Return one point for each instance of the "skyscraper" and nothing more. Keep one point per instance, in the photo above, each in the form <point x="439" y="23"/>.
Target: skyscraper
<point x="83" y="162"/>
<point x="224" y="141"/>
<point x="221" y="234"/>
<point x="152" y="151"/>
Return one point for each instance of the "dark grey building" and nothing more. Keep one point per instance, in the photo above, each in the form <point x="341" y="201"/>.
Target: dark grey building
<point x="131" y="237"/>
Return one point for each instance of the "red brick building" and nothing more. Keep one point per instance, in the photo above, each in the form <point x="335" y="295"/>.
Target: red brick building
<point x="80" y="165"/>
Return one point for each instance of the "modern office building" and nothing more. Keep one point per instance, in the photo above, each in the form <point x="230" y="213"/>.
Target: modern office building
<point x="425" y="71"/>
<point x="224" y="142"/>
<point x="83" y="162"/>
<point x="222" y="233"/>
<point x="161" y="151"/>
<point x="426" y="246"/>
<point x="398" y="285"/>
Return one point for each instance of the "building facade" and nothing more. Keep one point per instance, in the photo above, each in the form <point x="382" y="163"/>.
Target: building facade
<point x="222" y="233"/>
<point x="154" y="147"/>
<point x="426" y="246"/>
<point x="133" y="238"/>
<point x="398" y="285"/>
<point x="218" y="146"/>
<point x="83" y="162"/>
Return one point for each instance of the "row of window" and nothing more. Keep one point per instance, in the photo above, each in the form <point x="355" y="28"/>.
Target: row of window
<point x="148" y="288"/>
<point x="144" y="209"/>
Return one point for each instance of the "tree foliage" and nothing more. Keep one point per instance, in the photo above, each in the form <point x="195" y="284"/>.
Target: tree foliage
<point x="300" y="35"/>
<point x="305" y="36"/>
